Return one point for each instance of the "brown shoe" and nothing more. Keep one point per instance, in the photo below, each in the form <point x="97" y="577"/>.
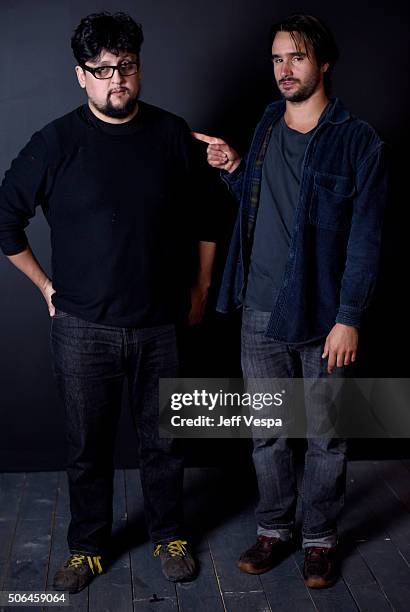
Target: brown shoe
<point x="319" y="570"/>
<point x="77" y="572"/>
<point x="263" y="555"/>
<point x="177" y="562"/>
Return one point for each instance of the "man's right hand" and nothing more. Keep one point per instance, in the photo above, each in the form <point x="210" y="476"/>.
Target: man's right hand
<point x="47" y="291"/>
<point x="220" y="154"/>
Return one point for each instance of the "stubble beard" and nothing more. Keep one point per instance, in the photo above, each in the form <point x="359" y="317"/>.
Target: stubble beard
<point x="305" y="90"/>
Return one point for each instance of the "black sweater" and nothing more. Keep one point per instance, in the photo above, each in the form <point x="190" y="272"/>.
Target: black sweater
<point x="120" y="203"/>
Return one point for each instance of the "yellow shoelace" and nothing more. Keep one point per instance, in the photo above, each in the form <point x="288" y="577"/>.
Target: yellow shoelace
<point x="176" y="548"/>
<point x="93" y="562"/>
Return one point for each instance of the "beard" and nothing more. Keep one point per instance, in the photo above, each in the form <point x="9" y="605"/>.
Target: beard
<point x="120" y="111"/>
<point x="305" y="90"/>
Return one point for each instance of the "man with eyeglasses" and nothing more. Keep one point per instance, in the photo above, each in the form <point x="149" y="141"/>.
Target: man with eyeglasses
<point x="114" y="180"/>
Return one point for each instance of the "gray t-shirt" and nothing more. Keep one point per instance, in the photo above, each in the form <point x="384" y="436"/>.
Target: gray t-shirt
<point x="281" y="174"/>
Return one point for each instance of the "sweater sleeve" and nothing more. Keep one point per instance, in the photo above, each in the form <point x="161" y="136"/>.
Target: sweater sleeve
<point x="21" y="191"/>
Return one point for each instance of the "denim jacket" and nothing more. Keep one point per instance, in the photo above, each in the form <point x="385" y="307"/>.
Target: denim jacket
<point x="332" y="263"/>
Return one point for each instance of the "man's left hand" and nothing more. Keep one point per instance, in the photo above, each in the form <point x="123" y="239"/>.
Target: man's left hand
<point x="341" y="346"/>
<point x="199" y="297"/>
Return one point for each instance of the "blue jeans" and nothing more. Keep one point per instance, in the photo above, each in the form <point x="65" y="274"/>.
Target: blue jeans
<point x="90" y="364"/>
<point x="324" y="477"/>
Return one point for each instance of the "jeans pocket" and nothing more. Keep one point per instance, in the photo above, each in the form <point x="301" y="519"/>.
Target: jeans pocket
<point x="59" y="314"/>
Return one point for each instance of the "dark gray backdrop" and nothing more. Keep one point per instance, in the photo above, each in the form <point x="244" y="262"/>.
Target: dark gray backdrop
<point x="206" y="61"/>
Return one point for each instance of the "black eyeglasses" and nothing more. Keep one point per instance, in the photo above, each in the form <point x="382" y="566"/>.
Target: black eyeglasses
<point x="106" y="72"/>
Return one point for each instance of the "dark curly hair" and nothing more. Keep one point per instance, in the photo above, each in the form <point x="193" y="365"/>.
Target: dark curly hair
<point x="115" y="32"/>
<point x="315" y="35"/>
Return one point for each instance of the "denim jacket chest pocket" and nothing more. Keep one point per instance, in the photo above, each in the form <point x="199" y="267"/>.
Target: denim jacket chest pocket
<point x="331" y="202"/>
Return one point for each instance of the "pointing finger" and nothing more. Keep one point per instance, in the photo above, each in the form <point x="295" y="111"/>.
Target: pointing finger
<point x="207" y="139"/>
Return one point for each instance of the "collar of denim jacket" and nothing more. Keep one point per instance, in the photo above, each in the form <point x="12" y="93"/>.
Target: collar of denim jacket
<point x="336" y="113"/>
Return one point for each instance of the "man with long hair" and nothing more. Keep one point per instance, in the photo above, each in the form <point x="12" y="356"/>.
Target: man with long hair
<point x="303" y="264"/>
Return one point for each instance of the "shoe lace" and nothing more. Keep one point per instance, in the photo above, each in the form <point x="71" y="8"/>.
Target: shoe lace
<point x="93" y="562"/>
<point x="176" y="548"/>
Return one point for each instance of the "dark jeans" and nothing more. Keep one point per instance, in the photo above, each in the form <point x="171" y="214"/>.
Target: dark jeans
<point x="324" y="477"/>
<point x="90" y="364"/>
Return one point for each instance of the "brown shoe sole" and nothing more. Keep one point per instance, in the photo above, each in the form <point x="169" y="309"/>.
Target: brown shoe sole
<point x="248" y="568"/>
<point x="317" y="582"/>
<point x="71" y="591"/>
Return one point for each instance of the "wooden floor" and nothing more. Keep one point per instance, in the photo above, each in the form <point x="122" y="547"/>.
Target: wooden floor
<point x="375" y="534"/>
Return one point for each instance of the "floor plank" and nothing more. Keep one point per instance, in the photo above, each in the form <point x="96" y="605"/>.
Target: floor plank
<point x="246" y="602"/>
<point x="374" y="530"/>
<point x="11" y="491"/>
<point x="391" y="505"/>
<point x="357" y="575"/>
<point x="59" y="548"/>
<point x="112" y="590"/>
<point x="389" y="567"/>
<point x="227" y="542"/>
<point x="362" y="584"/>
<point x="28" y="563"/>
<point x="149" y="587"/>
<point x="203" y="593"/>
<point x="285" y="588"/>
